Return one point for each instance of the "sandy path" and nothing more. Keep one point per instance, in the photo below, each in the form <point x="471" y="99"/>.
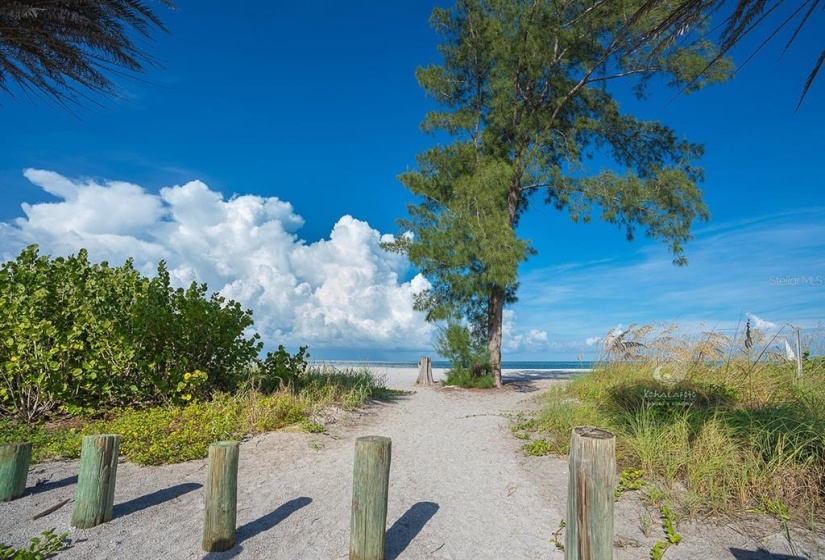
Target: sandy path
<point x="459" y="489"/>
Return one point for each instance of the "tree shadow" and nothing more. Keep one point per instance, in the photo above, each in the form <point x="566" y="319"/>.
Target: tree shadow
<point x="761" y="554"/>
<point x="404" y="530"/>
<point x="51" y="485"/>
<point x="524" y="381"/>
<point x="391" y="396"/>
<point x="153" y="499"/>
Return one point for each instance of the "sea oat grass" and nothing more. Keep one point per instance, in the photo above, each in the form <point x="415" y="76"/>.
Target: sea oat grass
<point x="713" y="434"/>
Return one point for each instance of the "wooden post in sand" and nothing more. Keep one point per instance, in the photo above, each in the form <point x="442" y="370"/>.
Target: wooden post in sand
<point x="425" y="372"/>
<point x="590" y="495"/>
<point x="221" y="497"/>
<point x="95" y="495"/>
<point x="370" y="490"/>
<point x="14" y="467"/>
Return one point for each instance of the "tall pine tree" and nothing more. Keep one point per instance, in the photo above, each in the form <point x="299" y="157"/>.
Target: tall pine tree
<point x="523" y="90"/>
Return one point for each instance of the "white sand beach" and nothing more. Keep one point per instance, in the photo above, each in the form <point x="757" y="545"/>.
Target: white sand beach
<point x="459" y="489"/>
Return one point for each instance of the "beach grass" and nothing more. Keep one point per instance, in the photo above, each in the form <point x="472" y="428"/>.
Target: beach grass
<point x="722" y="432"/>
<point x="171" y="434"/>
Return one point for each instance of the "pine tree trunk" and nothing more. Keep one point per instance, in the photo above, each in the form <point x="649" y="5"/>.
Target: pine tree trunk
<point x="495" y="318"/>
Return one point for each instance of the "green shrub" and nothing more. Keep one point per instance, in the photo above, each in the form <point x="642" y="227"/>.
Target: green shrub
<point x="466" y="351"/>
<point x="83" y="338"/>
<point x="464" y="378"/>
<point x="39" y="548"/>
<point x="278" y="370"/>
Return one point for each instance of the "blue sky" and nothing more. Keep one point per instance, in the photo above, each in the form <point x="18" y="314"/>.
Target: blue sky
<point x="262" y="158"/>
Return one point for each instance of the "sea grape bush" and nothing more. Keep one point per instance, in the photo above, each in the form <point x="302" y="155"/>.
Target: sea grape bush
<point x="280" y="369"/>
<point x="81" y="337"/>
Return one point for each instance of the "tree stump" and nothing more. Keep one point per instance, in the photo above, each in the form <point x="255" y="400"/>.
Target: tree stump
<point x="370" y="490"/>
<point x="221" y="497"/>
<point x="590" y="495"/>
<point x="95" y="495"/>
<point x="14" y="468"/>
<point x="425" y="372"/>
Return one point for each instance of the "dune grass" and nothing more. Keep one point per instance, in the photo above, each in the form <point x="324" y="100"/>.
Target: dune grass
<point x="173" y="434"/>
<point x="713" y="435"/>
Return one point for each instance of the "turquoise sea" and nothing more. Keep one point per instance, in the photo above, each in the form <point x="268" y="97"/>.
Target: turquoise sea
<point x="444" y="364"/>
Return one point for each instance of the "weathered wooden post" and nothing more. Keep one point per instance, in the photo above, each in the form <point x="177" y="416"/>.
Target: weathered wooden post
<point x="95" y="495"/>
<point x="370" y="489"/>
<point x="425" y="372"/>
<point x="590" y="495"/>
<point x="14" y="467"/>
<point x="221" y="497"/>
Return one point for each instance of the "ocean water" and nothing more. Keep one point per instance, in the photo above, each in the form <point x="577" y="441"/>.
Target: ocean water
<point x="445" y="365"/>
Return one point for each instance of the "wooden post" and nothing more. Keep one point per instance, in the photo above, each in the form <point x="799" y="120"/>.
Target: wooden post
<point x="590" y="495"/>
<point x="14" y="468"/>
<point x="370" y="489"/>
<point x="798" y="354"/>
<point x="425" y="372"/>
<point x="221" y="497"/>
<point x="95" y="495"/>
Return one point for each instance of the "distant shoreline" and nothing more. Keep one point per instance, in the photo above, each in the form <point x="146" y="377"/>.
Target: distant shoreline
<point x="443" y="364"/>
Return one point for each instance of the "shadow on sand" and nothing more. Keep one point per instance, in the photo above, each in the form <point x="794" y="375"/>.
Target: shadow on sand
<point x="51" y="485"/>
<point x="524" y="380"/>
<point x="761" y="554"/>
<point x="271" y="519"/>
<point x="153" y="499"/>
<point x="404" y="530"/>
<point x="264" y="523"/>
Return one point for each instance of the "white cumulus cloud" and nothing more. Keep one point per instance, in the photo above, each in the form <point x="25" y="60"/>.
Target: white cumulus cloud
<point x="761" y="324"/>
<point x="340" y="292"/>
<point x="521" y="340"/>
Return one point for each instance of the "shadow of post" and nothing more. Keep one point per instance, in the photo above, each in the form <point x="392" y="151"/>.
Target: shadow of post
<point x="404" y="530"/>
<point x="153" y="499"/>
<point x="51" y="485"/>
<point x="264" y="523"/>
<point x="761" y="554"/>
<point x="271" y="519"/>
